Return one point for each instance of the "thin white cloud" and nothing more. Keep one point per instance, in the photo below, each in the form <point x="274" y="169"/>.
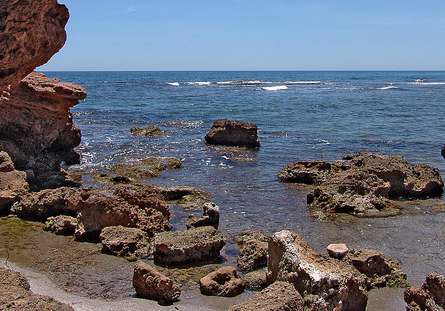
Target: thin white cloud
<point x="131" y="9"/>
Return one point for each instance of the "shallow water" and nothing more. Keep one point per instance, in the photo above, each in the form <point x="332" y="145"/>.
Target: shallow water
<point x="300" y="116"/>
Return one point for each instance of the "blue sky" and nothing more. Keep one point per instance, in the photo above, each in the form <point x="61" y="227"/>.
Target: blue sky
<point x="253" y="35"/>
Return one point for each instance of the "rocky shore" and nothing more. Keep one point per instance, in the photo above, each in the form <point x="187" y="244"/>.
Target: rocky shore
<point x="115" y="241"/>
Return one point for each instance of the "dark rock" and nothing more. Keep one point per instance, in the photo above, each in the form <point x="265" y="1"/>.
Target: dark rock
<point x="125" y="242"/>
<point x="305" y="172"/>
<point x="61" y="224"/>
<point x="252" y="256"/>
<point x="277" y="296"/>
<point x="429" y="297"/>
<point x="222" y="282"/>
<point x="442" y="151"/>
<point x="151" y="130"/>
<point x="15" y="295"/>
<point x="233" y="133"/>
<point x="324" y="282"/>
<point x="192" y="246"/>
<point x="152" y="285"/>
<point x="188" y="198"/>
<point x="210" y="217"/>
<point x="380" y="270"/>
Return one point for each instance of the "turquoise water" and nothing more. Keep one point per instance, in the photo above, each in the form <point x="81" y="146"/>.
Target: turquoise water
<point x="300" y="116"/>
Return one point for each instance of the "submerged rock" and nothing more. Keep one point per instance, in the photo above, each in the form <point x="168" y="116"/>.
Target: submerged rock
<point x="429" y="297"/>
<point x="233" y="133"/>
<point x="188" y="247"/>
<point x="277" y="296"/>
<point x="151" y="284"/>
<point x="150" y="130"/>
<point x="222" y="282"/>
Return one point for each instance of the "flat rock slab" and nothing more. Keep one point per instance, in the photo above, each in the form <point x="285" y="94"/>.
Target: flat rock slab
<point x="188" y="247"/>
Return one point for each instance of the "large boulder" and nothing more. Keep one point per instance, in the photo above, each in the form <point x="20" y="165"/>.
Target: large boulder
<point x="233" y="133"/>
<point x="127" y="205"/>
<point x="324" y="282"/>
<point x="222" y="282"/>
<point x="277" y="296"/>
<point x="12" y="182"/>
<point x="31" y="32"/>
<point x="37" y="130"/>
<point x="152" y="285"/>
<point x="429" y="297"/>
<point x="15" y="295"/>
<point x="186" y="247"/>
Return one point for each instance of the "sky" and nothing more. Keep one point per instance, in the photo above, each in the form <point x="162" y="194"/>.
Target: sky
<point x="178" y="35"/>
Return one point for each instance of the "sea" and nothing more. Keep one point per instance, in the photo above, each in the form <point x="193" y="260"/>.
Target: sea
<point x="301" y="115"/>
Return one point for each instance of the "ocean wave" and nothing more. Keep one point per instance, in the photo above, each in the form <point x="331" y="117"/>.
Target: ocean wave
<point x="301" y="82"/>
<point x="389" y="87"/>
<point x="428" y="83"/>
<point x="253" y="83"/>
<point x="199" y="83"/>
<point x="274" y="88"/>
<point x="173" y="83"/>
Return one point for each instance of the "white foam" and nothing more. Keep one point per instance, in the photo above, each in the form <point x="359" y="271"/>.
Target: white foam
<point x="173" y="83"/>
<point x="274" y="88"/>
<point x="199" y="83"/>
<point x="389" y="87"/>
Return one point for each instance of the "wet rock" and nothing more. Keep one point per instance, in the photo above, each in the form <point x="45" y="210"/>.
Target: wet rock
<point x="127" y="205"/>
<point x="252" y="256"/>
<point x="210" y="217"/>
<point x="188" y="198"/>
<point x="222" y="282"/>
<point x="233" y="133"/>
<point x="337" y="250"/>
<point x="361" y="184"/>
<point x="277" y="296"/>
<point x="248" y="235"/>
<point x="430" y="296"/>
<point x="380" y="270"/>
<point x="442" y="151"/>
<point x="324" y="283"/>
<point x="124" y="242"/>
<point x="152" y="285"/>
<point x="12" y="182"/>
<point x="305" y="172"/>
<point x="188" y="247"/>
<point x="37" y="130"/>
<point x="62" y="225"/>
<point x="31" y="33"/>
<point x="15" y="295"/>
<point x="150" y="130"/>
<point x="255" y="280"/>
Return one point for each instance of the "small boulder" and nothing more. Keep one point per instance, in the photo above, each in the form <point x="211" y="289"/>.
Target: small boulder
<point x="124" y="242"/>
<point x="222" y="282"/>
<point x="337" y="250"/>
<point x="430" y="296"/>
<point x="252" y="256"/>
<point x="233" y="133"/>
<point x="241" y="238"/>
<point x="210" y="217"/>
<point x="61" y="225"/>
<point x="186" y="247"/>
<point x="150" y="130"/>
<point x="152" y="285"/>
<point x="255" y="280"/>
<point x="277" y="296"/>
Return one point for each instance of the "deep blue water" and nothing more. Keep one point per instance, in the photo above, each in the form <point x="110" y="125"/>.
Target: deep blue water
<point x="300" y="116"/>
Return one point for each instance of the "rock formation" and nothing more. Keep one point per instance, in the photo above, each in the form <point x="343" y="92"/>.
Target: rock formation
<point x="222" y="282"/>
<point x="277" y="296"/>
<point x="15" y="295"/>
<point x="151" y="284"/>
<point x="210" y="217"/>
<point x="233" y="133"/>
<point x="31" y="32"/>
<point x="186" y="247"/>
<point x="429" y="297"/>
<point x="252" y="256"/>
<point x="361" y="184"/>
<point x="12" y="182"/>
<point x="36" y="127"/>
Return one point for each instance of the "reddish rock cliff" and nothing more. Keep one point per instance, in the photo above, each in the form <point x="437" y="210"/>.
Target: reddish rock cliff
<point x="30" y="33"/>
